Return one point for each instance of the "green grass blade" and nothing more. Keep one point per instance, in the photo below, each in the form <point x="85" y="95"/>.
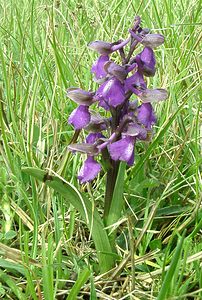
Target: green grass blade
<point x="12" y="285"/>
<point x="169" y="275"/>
<point x="83" y="205"/>
<point x="83" y="277"/>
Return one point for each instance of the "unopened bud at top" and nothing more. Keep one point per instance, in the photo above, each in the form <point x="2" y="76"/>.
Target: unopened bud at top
<point x="153" y="40"/>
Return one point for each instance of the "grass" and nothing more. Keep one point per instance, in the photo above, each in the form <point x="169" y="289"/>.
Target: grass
<point x="46" y="249"/>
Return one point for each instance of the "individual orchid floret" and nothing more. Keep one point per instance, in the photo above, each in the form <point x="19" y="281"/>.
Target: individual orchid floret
<point x="150" y="40"/>
<point x="146" y="62"/>
<point x="93" y="137"/>
<point x="115" y="70"/>
<point x="89" y="170"/>
<point x="135" y="130"/>
<point x="86" y="148"/>
<point x="111" y="92"/>
<point x="80" y="117"/>
<point x="80" y="96"/>
<point x="155" y="95"/>
<point x="145" y="115"/>
<point x="105" y="48"/>
<point x="98" y="68"/>
<point x="122" y="149"/>
<point x="135" y="81"/>
<point x="97" y="123"/>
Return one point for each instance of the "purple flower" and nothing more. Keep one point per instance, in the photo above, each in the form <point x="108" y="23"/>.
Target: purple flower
<point x="89" y="170"/>
<point x="80" y="96"/>
<point x="122" y="149"/>
<point x="111" y="93"/>
<point x="80" y="117"/>
<point x="115" y="70"/>
<point x="135" y="81"/>
<point x="98" y="67"/>
<point x="93" y="137"/>
<point x="145" y="115"/>
<point x="97" y="123"/>
<point x="125" y="122"/>
<point x="105" y="48"/>
<point x="135" y="130"/>
<point x="146" y="62"/>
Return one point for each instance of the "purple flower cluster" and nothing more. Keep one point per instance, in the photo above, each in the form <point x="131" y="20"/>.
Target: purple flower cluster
<point x="114" y="136"/>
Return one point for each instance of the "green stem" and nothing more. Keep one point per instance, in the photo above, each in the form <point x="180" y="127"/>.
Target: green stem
<point x="110" y="184"/>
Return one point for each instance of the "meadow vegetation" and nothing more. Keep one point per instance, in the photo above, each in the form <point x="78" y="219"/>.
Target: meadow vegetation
<point x="46" y="249"/>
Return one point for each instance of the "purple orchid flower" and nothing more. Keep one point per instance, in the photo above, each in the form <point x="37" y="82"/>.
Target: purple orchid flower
<point x="89" y="170"/>
<point x="125" y="122"/>
<point x="80" y="117"/>
<point x="98" y="68"/>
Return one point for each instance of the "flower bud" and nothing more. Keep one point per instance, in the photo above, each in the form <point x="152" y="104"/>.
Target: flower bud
<point x="104" y="48"/>
<point x="84" y="148"/>
<point x="153" y="40"/>
<point x="80" y="96"/>
<point x="155" y="95"/>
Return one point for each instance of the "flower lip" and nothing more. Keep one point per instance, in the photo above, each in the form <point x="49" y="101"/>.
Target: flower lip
<point x="98" y="68"/>
<point x="122" y="149"/>
<point x="80" y="117"/>
<point x="146" y="62"/>
<point x="89" y="170"/>
<point x="111" y="93"/>
<point x="146" y="115"/>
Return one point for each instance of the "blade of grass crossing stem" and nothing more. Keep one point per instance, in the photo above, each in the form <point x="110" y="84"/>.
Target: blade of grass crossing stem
<point x="83" y="277"/>
<point x="104" y="251"/>
<point x="171" y="271"/>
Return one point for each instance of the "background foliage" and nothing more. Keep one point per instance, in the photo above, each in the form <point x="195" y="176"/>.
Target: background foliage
<point x="45" y="246"/>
